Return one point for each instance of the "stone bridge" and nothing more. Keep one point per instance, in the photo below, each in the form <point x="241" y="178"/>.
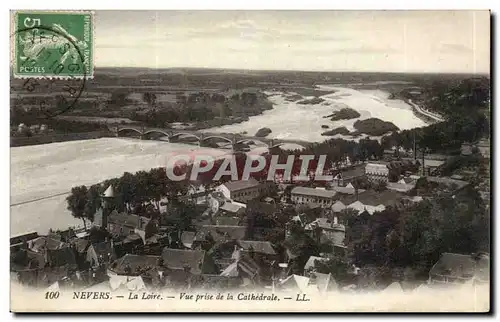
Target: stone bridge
<point x="234" y="141"/>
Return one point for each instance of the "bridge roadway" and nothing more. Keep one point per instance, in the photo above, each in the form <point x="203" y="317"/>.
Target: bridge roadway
<point x="174" y="135"/>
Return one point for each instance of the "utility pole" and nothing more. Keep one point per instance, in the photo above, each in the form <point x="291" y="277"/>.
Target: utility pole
<point x="423" y="162"/>
<point x="414" y="146"/>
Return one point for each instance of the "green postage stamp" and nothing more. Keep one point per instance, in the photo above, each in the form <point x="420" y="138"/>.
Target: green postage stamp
<point x="53" y="44"/>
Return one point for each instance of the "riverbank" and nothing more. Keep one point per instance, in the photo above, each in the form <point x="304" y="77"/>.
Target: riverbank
<point x="424" y="115"/>
<point x="61" y="137"/>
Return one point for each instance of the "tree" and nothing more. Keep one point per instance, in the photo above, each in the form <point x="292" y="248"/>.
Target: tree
<point x="118" y="98"/>
<point x="149" y="98"/>
<point x="93" y="202"/>
<point x="380" y="186"/>
<point x="77" y="201"/>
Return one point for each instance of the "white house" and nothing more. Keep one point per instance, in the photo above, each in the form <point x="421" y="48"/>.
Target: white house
<point x="305" y="195"/>
<point x="243" y="190"/>
<point x="377" y="172"/>
<point x="359" y="206"/>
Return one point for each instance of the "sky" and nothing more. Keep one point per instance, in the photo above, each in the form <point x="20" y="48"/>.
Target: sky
<point x="363" y="41"/>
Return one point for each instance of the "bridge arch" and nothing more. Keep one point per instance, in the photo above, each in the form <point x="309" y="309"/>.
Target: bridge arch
<point x="128" y="129"/>
<point x="245" y="141"/>
<point x="217" y="137"/>
<point x="157" y="131"/>
<point x="178" y="134"/>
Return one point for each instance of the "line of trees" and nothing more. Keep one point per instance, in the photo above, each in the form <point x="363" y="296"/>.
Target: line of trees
<point x="466" y="108"/>
<point x="199" y="107"/>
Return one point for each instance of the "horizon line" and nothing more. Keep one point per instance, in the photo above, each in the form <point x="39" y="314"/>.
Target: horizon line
<point x="295" y="70"/>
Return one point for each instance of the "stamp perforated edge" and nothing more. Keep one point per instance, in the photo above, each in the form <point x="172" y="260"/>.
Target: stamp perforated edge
<point x="13" y="60"/>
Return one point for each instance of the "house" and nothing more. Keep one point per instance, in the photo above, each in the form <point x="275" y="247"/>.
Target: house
<point x="231" y="209"/>
<point x="321" y="283"/>
<point x="263" y="248"/>
<point x="243" y="190"/>
<point x="63" y="235"/>
<point x="306" y="195"/>
<point x="44" y="243"/>
<point x="331" y="230"/>
<point x="133" y="265"/>
<point x="127" y="283"/>
<point x="454" y="268"/>
<point x="432" y="165"/>
<point x="377" y="172"/>
<point x="347" y="190"/>
<point x="311" y="264"/>
<point x="61" y="257"/>
<point x="101" y="254"/>
<point x="80" y="247"/>
<point x="245" y="267"/>
<point x="192" y="261"/>
<point x="264" y="208"/>
<point x="361" y="207"/>
<point x="375" y="198"/>
<point x="294" y="283"/>
<point x="122" y="224"/>
<point x="348" y="176"/>
<point x="338" y="206"/>
<point x="449" y="182"/>
<point x="218" y="234"/>
<point x="400" y="186"/>
<point x="23" y="238"/>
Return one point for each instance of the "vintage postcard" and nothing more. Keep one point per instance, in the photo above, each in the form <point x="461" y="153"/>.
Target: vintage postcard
<point x="250" y="161"/>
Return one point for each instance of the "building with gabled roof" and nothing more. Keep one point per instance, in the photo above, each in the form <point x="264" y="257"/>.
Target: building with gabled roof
<point x="346" y="176"/>
<point x="19" y="239"/>
<point x="231" y="209"/>
<point x="315" y="196"/>
<point x="328" y="230"/>
<point x="133" y="265"/>
<point x="194" y="261"/>
<point x="454" y="268"/>
<point x="338" y="206"/>
<point x="311" y="263"/>
<point x="243" y="266"/>
<point x="243" y="190"/>
<point x="44" y="243"/>
<point x="294" y="283"/>
<point x="101" y="253"/>
<point x="361" y="207"/>
<point x="218" y="234"/>
<point x="322" y="283"/>
<point x="377" y="171"/>
<point x="258" y="247"/>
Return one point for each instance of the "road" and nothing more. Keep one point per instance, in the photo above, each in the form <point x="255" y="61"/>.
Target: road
<point x="426" y="113"/>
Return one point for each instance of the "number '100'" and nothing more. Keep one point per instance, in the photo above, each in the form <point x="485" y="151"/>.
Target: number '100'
<point x="51" y="295"/>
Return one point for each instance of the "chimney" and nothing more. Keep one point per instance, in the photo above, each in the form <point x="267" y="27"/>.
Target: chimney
<point x="335" y="220"/>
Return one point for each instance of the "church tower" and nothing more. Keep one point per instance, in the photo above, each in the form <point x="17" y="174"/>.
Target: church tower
<point x="108" y="204"/>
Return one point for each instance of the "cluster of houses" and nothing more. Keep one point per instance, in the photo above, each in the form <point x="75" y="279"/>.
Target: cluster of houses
<point x="134" y="252"/>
